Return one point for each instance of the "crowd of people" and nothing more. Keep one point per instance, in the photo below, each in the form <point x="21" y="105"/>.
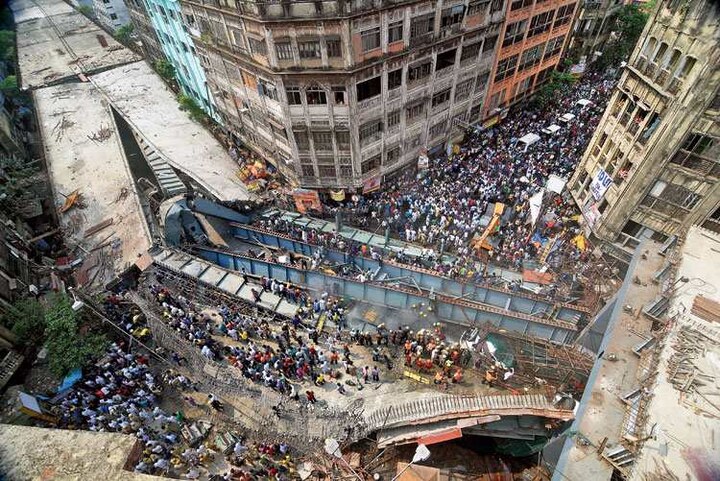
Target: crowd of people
<point x="447" y="206"/>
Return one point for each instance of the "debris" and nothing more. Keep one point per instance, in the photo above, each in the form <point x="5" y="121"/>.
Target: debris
<point x="122" y="195"/>
<point x="98" y="227"/>
<point x="706" y="309"/>
<point x="60" y="128"/>
<point x="101" y="135"/>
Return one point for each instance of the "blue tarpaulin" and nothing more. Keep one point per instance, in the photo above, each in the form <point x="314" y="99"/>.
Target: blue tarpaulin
<point x="70" y="380"/>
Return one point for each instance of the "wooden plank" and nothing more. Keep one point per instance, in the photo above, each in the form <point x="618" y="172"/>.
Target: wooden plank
<point x="98" y="227"/>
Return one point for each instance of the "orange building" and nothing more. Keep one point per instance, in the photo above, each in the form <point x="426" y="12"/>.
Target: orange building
<point x="533" y="37"/>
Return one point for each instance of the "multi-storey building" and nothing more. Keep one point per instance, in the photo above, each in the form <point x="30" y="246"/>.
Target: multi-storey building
<point x="531" y="43"/>
<point x="112" y="14"/>
<point x="592" y="28"/>
<point x="341" y="93"/>
<point x="652" y="166"/>
<point x="178" y="48"/>
<point x="144" y="30"/>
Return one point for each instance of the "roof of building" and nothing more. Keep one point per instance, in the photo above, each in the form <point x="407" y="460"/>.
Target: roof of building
<point x="686" y="437"/>
<point x="69" y="115"/>
<point x="39" y="454"/>
<point x="55" y="41"/>
<point x="151" y="108"/>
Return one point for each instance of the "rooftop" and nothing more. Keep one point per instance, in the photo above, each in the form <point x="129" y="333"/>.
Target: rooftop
<point x="55" y="42"/>
<point x="40" y="454"/>
<point x="151" y="109"/>
<point x="69" y="114"/>
<point x="686" y="437"/>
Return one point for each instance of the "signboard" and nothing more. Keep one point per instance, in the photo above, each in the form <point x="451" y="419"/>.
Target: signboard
<point x="591" y="214"/>
<point x="306" y="199"/>
<point x="600" y="184"/>
<point x="372" y="184"/>
<point x="337" y="195"/>
<point x="423" y="162"/>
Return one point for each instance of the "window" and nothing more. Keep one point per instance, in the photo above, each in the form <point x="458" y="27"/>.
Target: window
<point x="413" y="142"/>
<point x="518" y="4"/>
<point x="700" y="153"/>
<point x="113" y="16"/>
<point x="370" y="132"/>
<point x="395" y="32"/>
<point x="284" y="50"/>
<point x="553" y="47"/>
<point x="302" y="140"/>
<point x="540" y="23"/>
<point x="506" y="68"/>
<point x="392" y="156"/>
<point x="490" y="43"/>
<point x="394" y="79"/>
<point x="530" y="57"/>
<point x="267" y="89"/>
<point x="308" y="170"/>
<point x="414" y="112"/>
<point x="477" y="6"/>
<point x="293" y="95"/>
<point x="343" y="140"/>
<point x="660" y="53"/>
<point x="236" y="37"/>
<point x="310" y="49"/>
<point x="370" y="39"/>
<point x="423" y="25"/>
<point x="497" y="6"/>
<point x="687" y="67"/>
<point x="334" y="47"/>
<point x="437" y="130"/>
<point x="475" y="111"/>
<point x="339" y="95"/>
<point x="445" y="59"/>
<point x="257" y="47"/>
<point x="452" y="16"/>
<point x="482" y="82"/>
<point x="441" y="98"/>
<point x="369" y="88"/>
<point x="316" y="96"/>
<point x="346" y="171"/>
<point x="370" y="164"/>
<point x="469" y="52"/>
<point x="564" y="15"/>
<point x="326" y="171"/>
<point x="514" y="33"/>
<point x="419" y="72"/>
<point x="463" y="89"/>
<point x="323" y="140"/>
<point x="393" y="118"/>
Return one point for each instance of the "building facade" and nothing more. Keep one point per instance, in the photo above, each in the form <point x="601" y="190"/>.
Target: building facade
<point x="531" y="44"/>
<point x="343" y="93"/>
<point x="144" y="31"/>
<point x="178" y="48"/>
<point x="651" y="168"/>
<point x="112" y="14"/>
<point x="593" y="26"/>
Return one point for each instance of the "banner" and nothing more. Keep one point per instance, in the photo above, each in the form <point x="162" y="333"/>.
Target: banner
<point x="337" y="195"/>
<point x="600" y="184"/>
<point x="423" y="162"/>
<point x="306" y="199"/>
<point x="591" y="214"/>
<point x="535" y="206"/>
<point x="372" y="184"/>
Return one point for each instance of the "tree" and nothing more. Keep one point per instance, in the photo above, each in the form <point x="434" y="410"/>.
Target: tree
<point x="124" y="34"/>
<point x="548" y="93"/>
<point x="192" y="108"/>
<point x="70" y="344"/>
<point x="7" y="45"/>
<point x="165" y="69"/>
<point x="627" y="24"/>
<point x="86" y="10"/>
<point x="26" y="319"/>
<point x="9" y="86"/>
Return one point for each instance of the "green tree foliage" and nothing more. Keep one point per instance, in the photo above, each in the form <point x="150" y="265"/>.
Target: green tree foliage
<point x="70" y="345"/>
<point x="628" y="24"/>
<point x="86" y="10"/>
<point x="7" y="45"/>
<point x="194" y="110"/>
<point x="9" y="86"/>
<point x="551" y="91"/>
<point x="26" y="319"/>
<point x="165" y="69"/>
<point x="124" y="34"/>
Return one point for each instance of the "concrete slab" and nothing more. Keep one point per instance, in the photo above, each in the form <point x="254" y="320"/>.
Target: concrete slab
<point x="245" y="292"/>
<point x="231" y="283"/>
<point x="175" y="262"/>
<point x="195" y="268"/>
<point x="152" y="110"/>
<point x="269" y="300"/>
<point x="213" y="275"/>
<point x="55" y="42"/>
<point x="67" y="115"/>
<point x="286" y="308"/>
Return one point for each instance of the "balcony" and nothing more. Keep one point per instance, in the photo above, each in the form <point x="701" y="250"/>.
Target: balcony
<point x="369" y="104"/>
<point x="663" y="77"/>
<point x="421" y="40"/>
<point x="675" y="85"/>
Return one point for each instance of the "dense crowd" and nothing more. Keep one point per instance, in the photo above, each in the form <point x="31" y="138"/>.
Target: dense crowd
<point x="447" y="206"/>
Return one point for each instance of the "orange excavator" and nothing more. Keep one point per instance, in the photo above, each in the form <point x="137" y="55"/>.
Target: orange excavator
<point x="481" y="241"/>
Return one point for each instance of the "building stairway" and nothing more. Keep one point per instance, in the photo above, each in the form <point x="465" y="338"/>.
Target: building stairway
<point x="169" y="181"/>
